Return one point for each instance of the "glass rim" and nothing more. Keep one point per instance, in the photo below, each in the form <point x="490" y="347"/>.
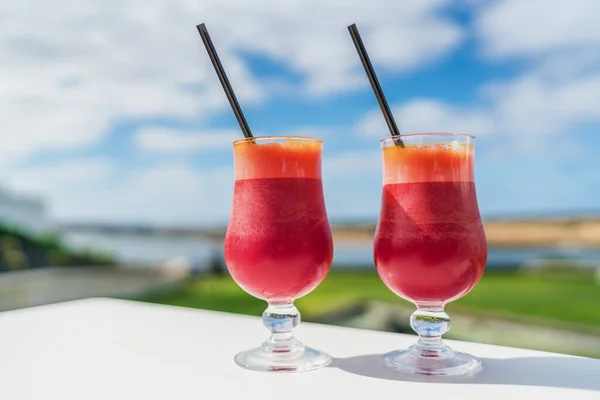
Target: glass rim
<point x="309" y="139"/>
<point x="424" y="134"/>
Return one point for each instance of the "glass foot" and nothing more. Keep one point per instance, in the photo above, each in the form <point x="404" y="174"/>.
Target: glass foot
<point x="444" y="363"/>
<point x="282" y="352"/>
<point x="270" y="360"/>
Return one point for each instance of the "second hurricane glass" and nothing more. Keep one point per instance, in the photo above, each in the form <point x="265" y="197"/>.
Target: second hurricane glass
<point x="278" y="245"/>
<point x="430" y="247"/>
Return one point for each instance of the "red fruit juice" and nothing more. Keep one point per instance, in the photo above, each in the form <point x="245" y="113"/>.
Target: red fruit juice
<point x="430" y="247"/>
<point x="278" y="245"/>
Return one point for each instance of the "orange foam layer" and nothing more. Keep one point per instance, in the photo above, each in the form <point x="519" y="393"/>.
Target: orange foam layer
<point x="428" y="163"/>
<point x="293" y="159"/>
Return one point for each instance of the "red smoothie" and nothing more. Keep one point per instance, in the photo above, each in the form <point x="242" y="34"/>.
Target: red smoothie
<point x="430" y="247"/>
<point x="278" y="245"/>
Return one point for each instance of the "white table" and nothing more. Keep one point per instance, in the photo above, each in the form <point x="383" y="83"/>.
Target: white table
<point x="112" y="350"/>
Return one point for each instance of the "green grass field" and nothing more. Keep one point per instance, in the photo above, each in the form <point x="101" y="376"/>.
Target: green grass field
<point x="558" y="298"/>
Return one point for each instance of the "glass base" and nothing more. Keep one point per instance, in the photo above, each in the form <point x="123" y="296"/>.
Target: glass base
<point x="444" y="363"/>
<point x="267" y="359"/>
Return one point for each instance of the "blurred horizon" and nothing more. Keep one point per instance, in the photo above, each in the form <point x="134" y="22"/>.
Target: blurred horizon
<point x="558" y="215"/>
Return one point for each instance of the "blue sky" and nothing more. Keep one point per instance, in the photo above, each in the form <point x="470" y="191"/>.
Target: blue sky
<point x="111" y="110"/>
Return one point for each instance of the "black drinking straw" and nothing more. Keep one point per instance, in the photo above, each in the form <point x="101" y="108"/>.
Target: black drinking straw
<point x="216" y="62"/>
<point x="383" y="104"/>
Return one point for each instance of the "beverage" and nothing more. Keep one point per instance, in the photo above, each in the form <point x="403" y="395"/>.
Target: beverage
<point x="278" y="245"/>
<point x="430" y="247"/>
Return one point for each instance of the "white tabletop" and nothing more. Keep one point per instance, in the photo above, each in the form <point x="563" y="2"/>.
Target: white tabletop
<point x="112" y="349"/>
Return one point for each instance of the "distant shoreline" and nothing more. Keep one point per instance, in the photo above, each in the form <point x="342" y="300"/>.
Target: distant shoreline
<point x="579" y="232"/>
<point x="518" y="233"/>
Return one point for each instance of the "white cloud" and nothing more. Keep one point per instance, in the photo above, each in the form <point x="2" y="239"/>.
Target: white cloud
<point x="558" y="93"/>
<point x="310" y="36"/>
<point x="428" y="115"/>
<point x="528" y="111"/>
<point x="71" y="174"/>
<point x="59" y="184"/>
<point x="533" y="104"/>
<point x="352" y="183"/>
<point x="536" y="27"/>
<point x="352" y="162"/>
<point x="569" y="64"/>
<point x="171" y="140"/>
<point x="168" y="193"/>
<point x="559" y="45"/>
<point x="161" y="139"/>
<point x="71" y="70"/>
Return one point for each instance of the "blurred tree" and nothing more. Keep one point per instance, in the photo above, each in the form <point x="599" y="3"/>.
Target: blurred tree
<point x="19" y="250"/>
<point x="216" y="265"/>
<point x="12" y="254"/>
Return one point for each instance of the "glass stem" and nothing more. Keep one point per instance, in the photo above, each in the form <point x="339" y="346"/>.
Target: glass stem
<point x="430" y="323"/>
<point x="280" y="319"/>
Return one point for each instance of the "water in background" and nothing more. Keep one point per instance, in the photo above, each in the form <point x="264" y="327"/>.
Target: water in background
<point x="147" y="250"/>
<point x="139" y="250"/>
<point x="361" y="254"/>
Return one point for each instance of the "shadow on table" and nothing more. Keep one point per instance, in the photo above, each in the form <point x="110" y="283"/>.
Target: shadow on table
<point x="562" y="372"/>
